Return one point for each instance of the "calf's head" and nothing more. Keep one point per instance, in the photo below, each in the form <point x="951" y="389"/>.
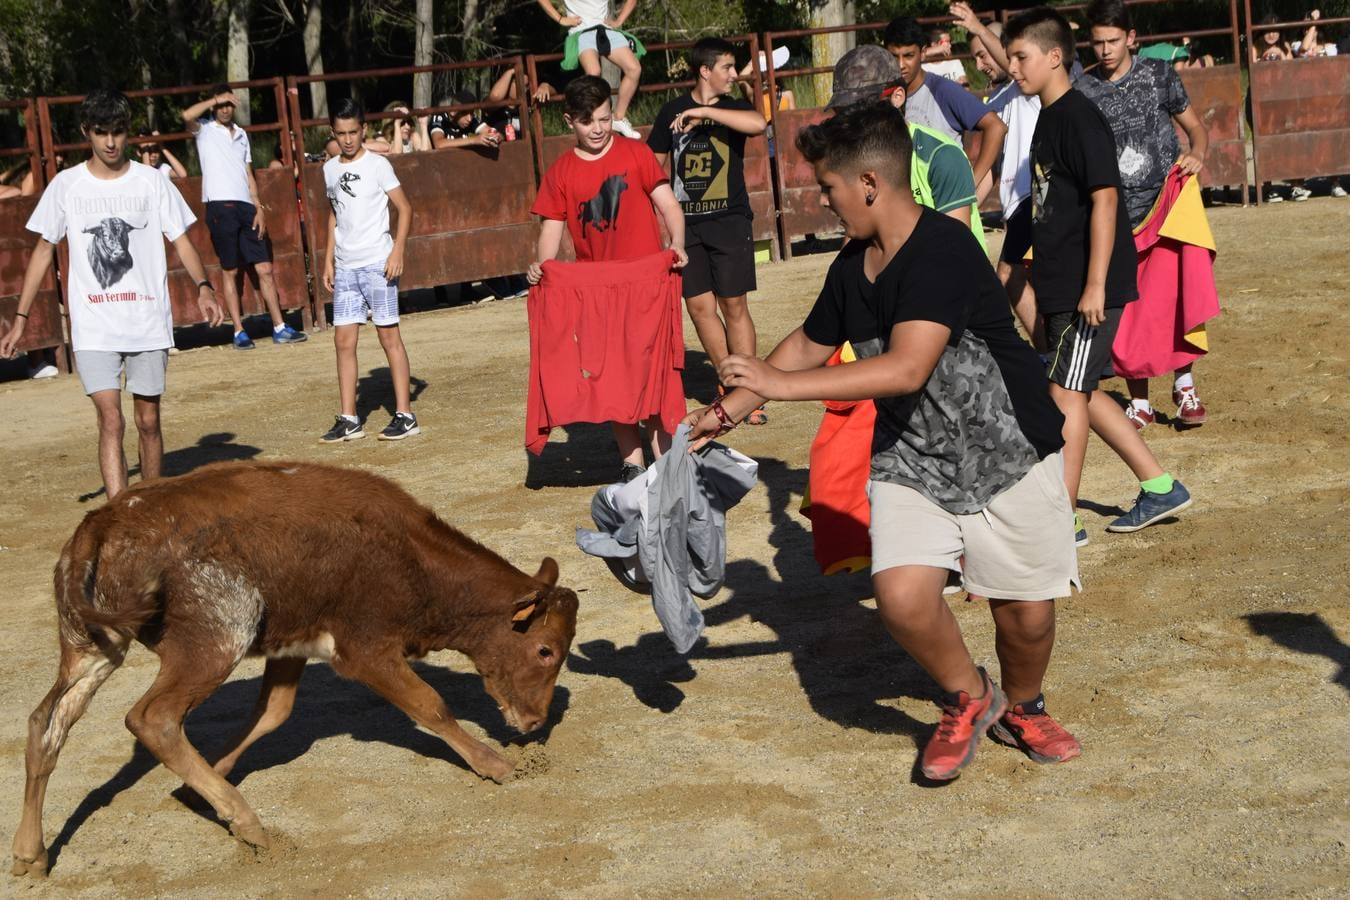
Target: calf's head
<point x="521" y="662"/>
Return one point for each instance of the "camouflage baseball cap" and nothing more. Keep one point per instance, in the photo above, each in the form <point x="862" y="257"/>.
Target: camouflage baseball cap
<point x="862" y="74"/>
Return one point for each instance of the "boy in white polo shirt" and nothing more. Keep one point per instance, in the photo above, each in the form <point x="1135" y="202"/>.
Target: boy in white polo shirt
<point x="234" y="215"/>
<point x="361" y="267"/>
<point x="115" y="215"/>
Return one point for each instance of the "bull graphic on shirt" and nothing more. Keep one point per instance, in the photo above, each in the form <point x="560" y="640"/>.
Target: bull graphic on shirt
<point x="109" y="251"/>
<point x="602" y="210"/>
<point x="346" y="179"/>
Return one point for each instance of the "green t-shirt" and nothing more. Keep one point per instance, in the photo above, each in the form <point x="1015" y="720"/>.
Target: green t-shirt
<point x="1164" y="51"/>
<point x="941" y="176"/>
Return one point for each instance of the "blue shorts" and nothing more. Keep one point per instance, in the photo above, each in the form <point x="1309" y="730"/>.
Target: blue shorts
<point x="357" y="292"/>
<point x="587" y="40"/>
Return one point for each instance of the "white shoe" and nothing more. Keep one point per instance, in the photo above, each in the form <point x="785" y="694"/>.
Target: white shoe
<point x="47" y="370"/>
<point x="625" y="128"/>
<point x="1337" y="191"/>
<point x="1299" y="194"/>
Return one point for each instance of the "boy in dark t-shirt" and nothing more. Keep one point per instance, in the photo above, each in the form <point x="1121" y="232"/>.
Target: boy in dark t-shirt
<point x="965" y="454"/>
<point x="703" y="135"/>
<point x="1083" y="263"/>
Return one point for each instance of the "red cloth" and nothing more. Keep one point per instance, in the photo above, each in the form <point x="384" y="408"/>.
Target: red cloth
<point x="1162" y="330"/>
<point x="836" y="503"/>
<point x="606" y="345"/>
<point x="606" y="202"/>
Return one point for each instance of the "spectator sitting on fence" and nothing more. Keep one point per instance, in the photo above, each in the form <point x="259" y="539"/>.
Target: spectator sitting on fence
<point x="403" y="134"/>
<point x="942" y="104"/>
<point x="937" y="57"/>
<point x="594" y="34"/>
<point x="1311" y="45"/>
<point x="506" y="119"/>
<point x="1271" y="47"/>
<point x="463" y="128"/>
<point x="234" y="214"/>
<point x="115" y="215"/>
<point x="160" y="158"/>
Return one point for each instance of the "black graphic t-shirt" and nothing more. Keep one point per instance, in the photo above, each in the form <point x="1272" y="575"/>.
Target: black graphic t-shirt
<point x="706" y="163"/>
<point x="605" y="201"/>
<point x="445" y="124"/>
<point x="984" y="417"/>
<point x="1073" y="152"/>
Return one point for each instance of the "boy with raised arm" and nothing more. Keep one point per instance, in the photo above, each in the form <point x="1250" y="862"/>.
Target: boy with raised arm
<point x="965" y="452"/>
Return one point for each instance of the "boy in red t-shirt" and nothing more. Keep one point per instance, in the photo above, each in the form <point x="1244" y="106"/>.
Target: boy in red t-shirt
<point x="606" y="193"/>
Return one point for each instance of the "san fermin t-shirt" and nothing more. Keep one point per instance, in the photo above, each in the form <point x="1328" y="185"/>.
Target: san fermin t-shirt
<point x="707" y="162"/>
<point x="1072" y="153"/>
<point x="984" y="417"/>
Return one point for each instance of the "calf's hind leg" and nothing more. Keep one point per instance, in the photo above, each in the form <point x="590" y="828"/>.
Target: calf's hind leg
<point x="83" y="669"/>
<point x="281" y="679"/>
<point x="157" y="721"/>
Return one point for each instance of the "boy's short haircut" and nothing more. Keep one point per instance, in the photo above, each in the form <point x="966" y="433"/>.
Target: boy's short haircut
<point x="904" y="31"/>
<point x="707" y="52"/>
<point x="218" y="89"/>
<point x="1045" y="28"/>
<point x="583" y="96"/>
<point x="861" y="137"/>
<point x="1108" y="14"/>
<point x="347" y="108"/>
<point x="106" y="110"/>
<point x="935" y="35"/>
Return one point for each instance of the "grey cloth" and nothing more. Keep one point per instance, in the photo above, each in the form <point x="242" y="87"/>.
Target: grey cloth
<point x="667" y="530"/>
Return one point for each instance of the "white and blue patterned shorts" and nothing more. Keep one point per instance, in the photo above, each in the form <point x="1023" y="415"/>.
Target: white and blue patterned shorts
<point x="357" y="292"/>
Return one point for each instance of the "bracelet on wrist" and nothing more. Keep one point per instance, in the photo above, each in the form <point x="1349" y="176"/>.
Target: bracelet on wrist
<point x="21" y="315"/>
<point x="722" y="416"/>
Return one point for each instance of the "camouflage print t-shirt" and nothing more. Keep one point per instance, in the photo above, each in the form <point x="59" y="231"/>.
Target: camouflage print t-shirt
<point x="984" y="417"/>
<point x="1139" y="108"/>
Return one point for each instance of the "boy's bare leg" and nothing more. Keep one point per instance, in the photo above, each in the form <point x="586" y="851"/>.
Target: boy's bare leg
<point x="399" y="372"/>
<point x="590" y="63"/>
<point x="231" y="284"/>
<point x="1024" y="635"/>
<point x="267" y="286"/>
<point x="1109" y="422"/>
<point x="712" y="333"/>
<point x="344" y="342"/>
<point x="659" y="437"/>
<point x="1023" y="301"/>
<point x="629" y="438"/>
<point x="628" y="64"/>
<point x="150" y="440"/>
<point x="909" y="599"/>
<point x="1138" y="388"/>
<point x="112" y="459"/>
<point x="1073" y="405"/>
<point x="740" y="327"/>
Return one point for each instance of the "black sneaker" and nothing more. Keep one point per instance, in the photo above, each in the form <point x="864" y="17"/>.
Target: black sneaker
<point x="400" y="426"/>
<point x="344" y="429"/>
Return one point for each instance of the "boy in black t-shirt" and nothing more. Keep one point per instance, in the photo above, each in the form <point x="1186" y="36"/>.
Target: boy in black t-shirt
<point x="703" y="135"/>
<point x="965" y="453"/>
<point x="1083" y="263"/>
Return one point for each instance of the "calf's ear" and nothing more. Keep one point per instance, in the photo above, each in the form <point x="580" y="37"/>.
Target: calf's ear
<point x="548" y="572"/>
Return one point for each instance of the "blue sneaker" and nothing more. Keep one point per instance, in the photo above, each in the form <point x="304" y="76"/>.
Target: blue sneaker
<point x="1149" y="508"/>
<point x="242" y="341"/>
<point x="288" y="335"/>
<point x="1080" y="537"/>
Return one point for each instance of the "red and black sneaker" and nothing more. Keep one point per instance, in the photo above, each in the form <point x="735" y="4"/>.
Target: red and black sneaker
<point x="1029" y="728"/>
<point x="964" y="721"/>
<point x="1190" y="411"/>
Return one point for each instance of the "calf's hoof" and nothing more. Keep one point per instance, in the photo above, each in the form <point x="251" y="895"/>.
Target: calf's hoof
<point x="494" y="767"/>
<point x="250" y="833"/>
<point x="36" y="866"/>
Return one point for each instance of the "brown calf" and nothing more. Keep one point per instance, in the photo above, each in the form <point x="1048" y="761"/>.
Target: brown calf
<point x="288" y="561"/>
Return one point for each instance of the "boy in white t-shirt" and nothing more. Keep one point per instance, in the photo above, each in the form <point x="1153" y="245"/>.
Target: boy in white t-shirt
<point x="361" y="267"/>
<point x="115" y="215"/>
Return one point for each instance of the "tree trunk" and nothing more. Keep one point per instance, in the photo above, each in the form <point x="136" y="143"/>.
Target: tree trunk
<point x="313" y="34"/>
<point x="827" y="48"/>
<point x="236" y="54"/>
<point x="422" y="49"/>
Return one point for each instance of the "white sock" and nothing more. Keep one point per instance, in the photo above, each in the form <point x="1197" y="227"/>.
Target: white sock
<point x="353" y="419"/>
<point x="1142" y="405"/>
<point x="1185" y="381"/>
<point x="278" y="329"/>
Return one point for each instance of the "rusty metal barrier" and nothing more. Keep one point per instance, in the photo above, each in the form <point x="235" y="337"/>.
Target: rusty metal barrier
<point x="758" y="173"/>
<point x="1300" y="117"/>
<point x="46" y="326"/>
<point x="276" y="192"/>
<point x="471" y="206"/>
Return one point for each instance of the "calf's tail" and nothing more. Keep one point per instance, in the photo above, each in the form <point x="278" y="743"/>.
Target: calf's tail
<point x="77" y="585"/>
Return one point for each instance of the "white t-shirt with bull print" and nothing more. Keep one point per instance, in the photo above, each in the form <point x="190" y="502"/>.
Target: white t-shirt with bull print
<point x="118" y="287"/>
<point x="359" y="193"/>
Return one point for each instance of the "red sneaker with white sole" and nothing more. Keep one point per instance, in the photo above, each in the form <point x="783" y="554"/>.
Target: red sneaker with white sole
<point x="1029" y="728"/>
<point x="1189" y="408"/>
<point x="1139" y="418"/>
<point x="964" y="721"/>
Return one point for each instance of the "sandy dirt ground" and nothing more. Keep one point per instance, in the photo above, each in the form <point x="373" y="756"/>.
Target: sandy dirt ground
<point x="1205" y="667"/>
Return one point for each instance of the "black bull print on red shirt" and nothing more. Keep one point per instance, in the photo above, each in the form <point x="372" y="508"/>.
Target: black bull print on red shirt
<point x="602" y="210"/>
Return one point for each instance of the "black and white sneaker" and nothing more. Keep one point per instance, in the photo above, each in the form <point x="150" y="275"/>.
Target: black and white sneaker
<point x="400" y="426"/>
<point x="344" y="429"/>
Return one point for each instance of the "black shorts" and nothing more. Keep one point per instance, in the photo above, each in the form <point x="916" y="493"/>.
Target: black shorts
<point x="721" y="256"/>
<point x="1017" y="234"/>
<point x="1081" y="354"/>
<point x="231" y="225"/>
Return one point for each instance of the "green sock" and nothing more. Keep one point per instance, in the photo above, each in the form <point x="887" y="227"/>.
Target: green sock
<point x="1160" y="485"/>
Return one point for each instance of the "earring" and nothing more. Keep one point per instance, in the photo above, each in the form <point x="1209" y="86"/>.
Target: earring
<point x="871" y="198"/>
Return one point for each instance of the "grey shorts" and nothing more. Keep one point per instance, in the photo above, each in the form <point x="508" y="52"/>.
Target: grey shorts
<point x="1019" y="547"/>
<point x="588" y="40"/>
<point x="101" y="370"/>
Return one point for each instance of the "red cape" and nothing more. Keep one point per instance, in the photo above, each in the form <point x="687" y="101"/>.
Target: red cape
<point x="606" y="345"/>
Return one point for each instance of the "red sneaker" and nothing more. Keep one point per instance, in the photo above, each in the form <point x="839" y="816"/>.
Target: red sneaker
<point x="1029" y="728"/>
<point x="964" y="721"/>
<point x="1139" y="418"/>
<point x="1189" y="408"/>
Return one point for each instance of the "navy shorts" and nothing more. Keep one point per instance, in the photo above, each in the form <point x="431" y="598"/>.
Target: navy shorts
<point x="231" y="225"/>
